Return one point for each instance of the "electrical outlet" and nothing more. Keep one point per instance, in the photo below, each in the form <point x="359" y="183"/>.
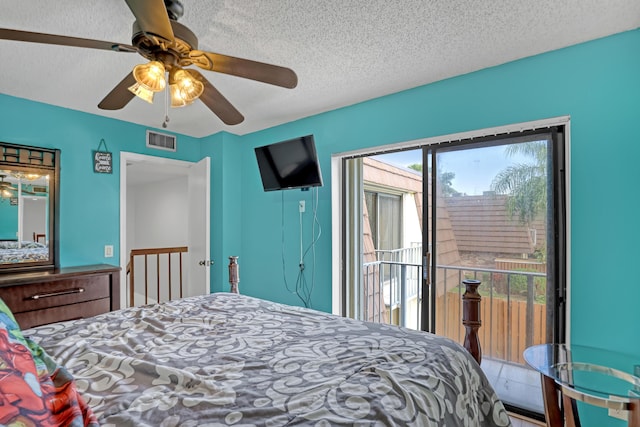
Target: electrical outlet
<point x="108" y="251"/>
<point x="301" y="206"/>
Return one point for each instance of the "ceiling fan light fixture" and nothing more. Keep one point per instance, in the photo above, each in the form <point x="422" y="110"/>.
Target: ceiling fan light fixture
<point x="141" y="92"/>
<point x="184" y="88"/>
<point x="168" y="46"/>
<point x="151" y="76"/>
<point x="177" y="100"/>
<point x="25" y="175"/>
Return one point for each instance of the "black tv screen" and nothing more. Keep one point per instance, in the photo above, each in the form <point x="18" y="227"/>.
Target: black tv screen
<point x="289" y="164"/>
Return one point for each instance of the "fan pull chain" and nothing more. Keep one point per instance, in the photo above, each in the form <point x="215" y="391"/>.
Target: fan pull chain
<point x="166" y="107"/>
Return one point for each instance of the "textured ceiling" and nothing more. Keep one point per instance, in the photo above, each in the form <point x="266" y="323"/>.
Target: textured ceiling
<point x="344" y="51"/>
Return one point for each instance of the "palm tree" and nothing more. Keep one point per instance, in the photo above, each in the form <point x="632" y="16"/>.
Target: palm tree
<point x="445" y="179"/>
<point x="525" y="184"/>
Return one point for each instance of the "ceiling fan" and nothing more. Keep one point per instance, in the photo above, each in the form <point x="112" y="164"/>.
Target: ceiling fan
<point x="8" y="190"/>
<point x="170" y="47"/>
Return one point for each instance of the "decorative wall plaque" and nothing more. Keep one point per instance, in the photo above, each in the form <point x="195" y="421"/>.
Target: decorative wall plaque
<point x="102" y="160"/>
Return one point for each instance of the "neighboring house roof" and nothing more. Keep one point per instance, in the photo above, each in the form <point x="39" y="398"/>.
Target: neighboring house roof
<point x="384" y="176"/>
<point x="483" y="224"/>
<point x="465" y="223"/>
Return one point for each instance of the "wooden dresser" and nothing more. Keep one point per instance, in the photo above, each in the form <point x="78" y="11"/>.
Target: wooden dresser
<point x="49" y="296"/>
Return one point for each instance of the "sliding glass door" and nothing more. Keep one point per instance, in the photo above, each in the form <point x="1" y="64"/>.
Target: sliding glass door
<point x="490" y="209"/>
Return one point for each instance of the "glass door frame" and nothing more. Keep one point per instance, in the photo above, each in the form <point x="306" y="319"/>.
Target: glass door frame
<point x="557" y="254"/>
<point x="343" y="210"/>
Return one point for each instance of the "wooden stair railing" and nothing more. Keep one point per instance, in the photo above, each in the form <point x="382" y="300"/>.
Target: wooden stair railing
<point x="154" y="252"/>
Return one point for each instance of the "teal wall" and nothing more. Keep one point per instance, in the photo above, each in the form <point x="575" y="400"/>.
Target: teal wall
<point x="596" y="83"/>
<point x="89" y="202"/>
<point x="8" y="220"/>
<point x="226" y="178"/>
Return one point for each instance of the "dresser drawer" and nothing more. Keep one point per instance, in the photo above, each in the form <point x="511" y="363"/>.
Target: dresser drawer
<point x="62" y="313"/>
<point x="60" y="294"/>
<point x="43" y="295"/>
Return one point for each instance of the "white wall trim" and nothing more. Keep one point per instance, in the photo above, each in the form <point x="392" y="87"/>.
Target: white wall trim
<point x="417" y="143"/>
<point x="336" y="234"/>
<point x="567" y="164"/>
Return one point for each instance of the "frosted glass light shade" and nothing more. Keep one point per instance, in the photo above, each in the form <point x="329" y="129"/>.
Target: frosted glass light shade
<point x="24" y="175"/>
<point x="141" y="92"/>
<point x="184" y="88"/>
<point x="177" y="100"/>
<point x="150" y="76"/>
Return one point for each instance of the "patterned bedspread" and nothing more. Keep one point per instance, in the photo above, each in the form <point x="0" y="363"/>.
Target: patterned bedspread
<point x="11" y="251"/>
<point x="228" y="359"/>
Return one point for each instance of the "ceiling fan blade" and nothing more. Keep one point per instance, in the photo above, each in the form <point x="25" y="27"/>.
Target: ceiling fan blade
<point x="259" y="71"/>
<point x="120" y="95"/>
<point x="216" y="102"/>
<point x="152" y="18"/>
<point x="27" y="36"/>
<point x="7" y="186"/>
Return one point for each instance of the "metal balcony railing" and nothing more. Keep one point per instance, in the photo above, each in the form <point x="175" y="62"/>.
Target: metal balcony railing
<point x="389" y="287"/>
<point x="513" y="308"/>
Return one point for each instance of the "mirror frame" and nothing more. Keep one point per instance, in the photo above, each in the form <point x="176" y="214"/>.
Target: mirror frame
<point x="36" y="160"/>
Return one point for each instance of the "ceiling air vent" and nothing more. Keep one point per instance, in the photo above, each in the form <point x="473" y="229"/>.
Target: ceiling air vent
<point x="38" y="189"/>
<point x="161" y="141"/>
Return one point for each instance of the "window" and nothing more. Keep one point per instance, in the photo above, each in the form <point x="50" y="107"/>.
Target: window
<point x="385" y="220"/>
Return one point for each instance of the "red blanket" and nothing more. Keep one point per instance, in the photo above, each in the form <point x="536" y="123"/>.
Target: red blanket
<point x="34" y="390"/>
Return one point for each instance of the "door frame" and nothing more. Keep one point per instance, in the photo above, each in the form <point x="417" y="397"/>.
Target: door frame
<point x="159" y="162"/>
<point x="338" y="194"/>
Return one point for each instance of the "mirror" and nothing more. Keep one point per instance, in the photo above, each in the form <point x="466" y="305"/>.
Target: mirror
<point x="29" y="179"/>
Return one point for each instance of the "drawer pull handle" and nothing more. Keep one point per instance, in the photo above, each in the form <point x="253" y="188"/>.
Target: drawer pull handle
<point x="56" y="294"/>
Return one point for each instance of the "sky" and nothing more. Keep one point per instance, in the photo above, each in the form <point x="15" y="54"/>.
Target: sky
<point x="474" y="168"/>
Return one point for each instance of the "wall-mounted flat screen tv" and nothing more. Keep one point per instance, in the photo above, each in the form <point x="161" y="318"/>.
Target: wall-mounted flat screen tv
<point x="289" y="164"/>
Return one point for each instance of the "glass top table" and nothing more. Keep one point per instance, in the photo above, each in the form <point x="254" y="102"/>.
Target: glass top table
<point x="595" y="376"/>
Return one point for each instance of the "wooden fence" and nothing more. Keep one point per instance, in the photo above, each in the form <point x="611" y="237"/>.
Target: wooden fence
<point x="520" y="264"/>
<point x="503" y="334"/>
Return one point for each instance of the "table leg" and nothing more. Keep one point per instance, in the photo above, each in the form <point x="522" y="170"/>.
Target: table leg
<point x="550" y="396"/>
<point x="570" y="411"/>
<point x="634" y="413"/>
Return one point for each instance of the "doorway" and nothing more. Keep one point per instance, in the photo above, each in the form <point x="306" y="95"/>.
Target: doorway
<point x="34" y="219"/>
<point x="165" y="203"/>
<point x="417" y="220"/>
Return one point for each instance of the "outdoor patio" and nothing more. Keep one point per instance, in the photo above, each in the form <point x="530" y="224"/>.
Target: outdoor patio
<point x="515" y="384"/>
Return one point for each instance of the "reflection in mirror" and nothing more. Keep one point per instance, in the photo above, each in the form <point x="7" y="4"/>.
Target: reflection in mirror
<point x="27" y="207"/>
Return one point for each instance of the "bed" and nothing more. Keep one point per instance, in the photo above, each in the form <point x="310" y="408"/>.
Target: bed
<point x="229" y="359"/>
<point x="25" y="251"/>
